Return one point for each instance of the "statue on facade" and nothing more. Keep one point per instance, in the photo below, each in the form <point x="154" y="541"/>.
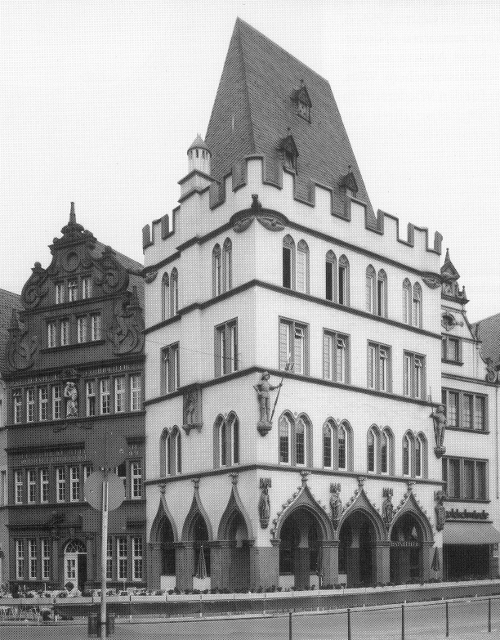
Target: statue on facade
<point x="387" y="506"/>
<point x="263" y="388"/>
<point x="335" y="504"/>
<point x="71" y="394"/>
<point x="192" y="409"/>
<point x="264" y="502"/>
<point x="439" y="418"/>
<point x="440" y="497"/>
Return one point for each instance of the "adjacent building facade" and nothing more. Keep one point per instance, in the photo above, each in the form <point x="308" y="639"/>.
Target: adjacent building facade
<point x="293" y="348"/>
<point x="75" y="363"/>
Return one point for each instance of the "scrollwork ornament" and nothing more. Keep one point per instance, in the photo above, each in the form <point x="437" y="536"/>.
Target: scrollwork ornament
<point x="127" y="331"/>
<point x="491" y="371"/>
<point x="35" y="290"/>
<point x="113" y="277"/>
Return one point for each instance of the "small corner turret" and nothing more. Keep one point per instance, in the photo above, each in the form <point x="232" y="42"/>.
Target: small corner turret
<point x="450" y="276"/>
<point x="198" y="177"/>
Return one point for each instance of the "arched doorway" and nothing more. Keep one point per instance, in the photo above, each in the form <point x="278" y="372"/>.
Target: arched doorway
<point x="357" y="539"/>
<point x="200" y="539"/>
<point x="299" y="554"/>
<point x="75" y="564"/>
<point x="406" y="550"/>
<point x="167" y="555"/>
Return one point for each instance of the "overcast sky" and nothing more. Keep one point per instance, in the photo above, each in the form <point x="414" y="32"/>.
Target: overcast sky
<point x="100" y="100"/>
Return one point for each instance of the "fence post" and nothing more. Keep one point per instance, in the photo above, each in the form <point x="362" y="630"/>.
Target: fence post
<point x="348" y="624"/>
<point x="289" y="625"/>
<point x="447" y="621"/>
<point x="402" y="621"/>
<point x="489" y="615"/>
<point x="130" y="607"/>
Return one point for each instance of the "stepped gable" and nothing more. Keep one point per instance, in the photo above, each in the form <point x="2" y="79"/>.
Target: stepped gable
<point x="254" y="110"/>
<point x="8" y="302"/>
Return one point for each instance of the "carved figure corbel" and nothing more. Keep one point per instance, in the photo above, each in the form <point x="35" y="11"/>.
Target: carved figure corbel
<point x="192" y="410"/>
<point x="71" y="395"/>
<point x="264" y="502"/>
<point x="263" y="388"/>
<point x="335" y="503"/>
<point x="387" y="506"/>
<point x="439" y="418"/>
<point x="440" y="497"/>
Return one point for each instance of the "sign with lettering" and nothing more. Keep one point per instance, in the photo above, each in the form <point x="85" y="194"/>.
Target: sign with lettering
<point x="405" y="543"/>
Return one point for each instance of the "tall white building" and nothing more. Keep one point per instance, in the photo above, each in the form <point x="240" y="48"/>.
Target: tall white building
<point x="274" y="261"/>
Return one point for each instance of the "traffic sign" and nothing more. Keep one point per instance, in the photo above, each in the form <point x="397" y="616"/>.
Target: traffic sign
<point x="110" y="453"/>
<point x="92" y="490"/>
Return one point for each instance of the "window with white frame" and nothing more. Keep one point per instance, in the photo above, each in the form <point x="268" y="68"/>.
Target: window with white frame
<point x="135" y="392"/>
<point x="56" y="402"/>
<point x="20" y="559"/>
<point x="51" y="335"/>
<point x="330" y="275"/>
<point x="30" y="405"/>
<point x="227" y="265"/>
<point x="72" y="290"/>
<point x="86" y="287"/>
<point x="335" y="356"/>
<point x="60" y="484"/>
<point x="105" y="396"/>
<point x="170" y="368"/>
<point x="32" y="559"/>
<point x="45" y="556"/>
<point x="379" y="367"/>
<point x="382" y="294"/>
<point x="31" y="485"/>
<point x="81" y="329"/>
<point x="137" y="558"/>
<point x="18" y="405"/>
<point x="227" y="440"/>
<point x="337" y="445"/>
<point x="120" y="394"/>
<point x="414" y="462"/>
<point x="4" y="489"/>
<point x="226" y="348"/>
<point x="380" y="450"/>
<point x="18" y="487"/>
<point x="294" y="440"/>
<point x="216" y="270"/>
<point x="371" y="304"/>
<point x="407" y="302"/>
<point x="44" y="486"/>
<point x="90" y="399"/>
<point x="121" y="558"/>
<point x="413" y="375"/>
<point x="293" y="346"/>
<point x="451" y="349"/>
<point x="171" y="442"/>
<point x="74" y="484"/>
<point x="465" y="410"/>
<point x="165" y="293"/>
<point x="343" y="281"/>
<point x="95" y="326"/>
<point x="59" y="292"/>
<point x="64" y="332"/>
<point x="288" y="262"/>
<point x="136" y="479"/>
<point x="302" y="269"/>
<point x="417" y="305"/>
<point x="174" y="292"/>
<point x="43" y="403"/>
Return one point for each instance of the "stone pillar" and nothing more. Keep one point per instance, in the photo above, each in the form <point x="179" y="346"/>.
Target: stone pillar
<point x="220" y="564"/>
<point x="264" y="565"/>
<point x="382" y="562"/>
<point x="154" y="564"/>
<point x="426" y="561"/>
<point x="184" y="565"/>
<point x="352" y="568"/>
<point x="330" y="562"/>
<point x="302" y="568"/>
<point x="91" y="568"/>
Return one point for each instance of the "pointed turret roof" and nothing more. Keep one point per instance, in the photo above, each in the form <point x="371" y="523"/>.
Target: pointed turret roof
<point x="255" y="105"/>
<point x="199" y="143"/>
<point x="448" y="270"/>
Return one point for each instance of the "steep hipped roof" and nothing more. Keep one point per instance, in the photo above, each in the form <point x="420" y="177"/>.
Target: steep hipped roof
<point x="254" y="108"/>
<point x="488" y="331"/>
<point x="8" y="302"/>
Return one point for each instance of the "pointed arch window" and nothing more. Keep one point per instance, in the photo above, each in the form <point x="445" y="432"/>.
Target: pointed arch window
<point x="382" y="294"/>
<point x="380" y="450"/>
<point x="343" y="281"/>
<point x="171" y="452"/>
<point x="330" y="275"/>
<point x="288" y="262"/>
<point x="285" y="431"/>
<point x="370" y="289"/>
<point x="302" y="275"/>
<point x="165" y="297"/>
<point x="372" y="448"/>
<point x="294" y="440"/>
<point x="216" y="271"/>
<point x="227" y="265"/>
<point x="174" y="292"/>
<point x="386" y="451"/>
<point x="408" y="453"/>
<point x="417" y="305"/>
<point x="337" y="445"/>
<point x="407" y="302"/>
<point x="226" y="441"/>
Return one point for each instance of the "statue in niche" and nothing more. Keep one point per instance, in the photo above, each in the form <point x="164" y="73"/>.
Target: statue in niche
<point x="192" y="410"/>
<point x="264" y="502"/>
<point x="440" y="497"/>
<point x="335" y="503"/>
<point x="263" y="389"/>
<point x="71" y="394"/>
<point x="387" y="506"/>
<point x="439" y="418"/>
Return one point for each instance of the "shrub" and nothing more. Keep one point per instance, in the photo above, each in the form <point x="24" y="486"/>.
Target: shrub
<point x="69" y="586"/>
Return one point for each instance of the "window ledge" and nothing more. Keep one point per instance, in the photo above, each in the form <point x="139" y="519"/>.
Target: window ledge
<point x="457" y="363"/>
<point x="76" y="345"/>
<point x="464" y="430"/>
<point x="475" y="500"/>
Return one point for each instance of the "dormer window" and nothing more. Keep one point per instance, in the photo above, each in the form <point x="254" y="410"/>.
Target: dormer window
<point x="290" y="153"/>
<point x="302" y="102"/>
<point x="304" y="110"/>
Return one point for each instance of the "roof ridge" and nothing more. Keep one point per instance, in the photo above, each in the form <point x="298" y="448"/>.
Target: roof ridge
<point x="247" y="94"/>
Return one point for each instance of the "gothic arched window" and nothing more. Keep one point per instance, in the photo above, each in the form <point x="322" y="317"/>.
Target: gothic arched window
<point x="330" y="275"/>
<point x="288" y="262"/>
<point x="302" y="271"/>
<point x="373" y="441"/>
<point x="216" y="271"/>
<point x="227" y="265"/>
<point x="417" y="305"/>
<point x="382" y="294"/>
<point x="226" y="441"/>
<point x="343" y="282"/>
<point x="174" y="292"/>
<point x="294" y="440"/>
<point x="407" y="302"/>
<point x="371" y="304"/>
<point x="165" y="297"/>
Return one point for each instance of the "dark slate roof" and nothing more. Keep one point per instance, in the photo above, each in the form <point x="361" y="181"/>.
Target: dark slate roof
<point x="488" y="331"/>
<point x="8" y="301"/>
<point x="256" y="91"/>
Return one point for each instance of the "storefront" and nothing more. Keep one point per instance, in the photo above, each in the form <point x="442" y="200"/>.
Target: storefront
<point x="470" y="550"/>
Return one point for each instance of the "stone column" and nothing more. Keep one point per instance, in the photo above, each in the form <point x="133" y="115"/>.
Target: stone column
<point x="220" y="563"/>
<point x="184" y="565"/>
<point x="264" y="565"/>
<point x="382" y="558"/>
<point x="154" y="565"/>
<point x="330" y="562"/>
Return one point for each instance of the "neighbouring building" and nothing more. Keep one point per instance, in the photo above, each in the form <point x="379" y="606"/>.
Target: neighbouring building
<point x="8" y="302"/>
<point x="74" y="376"/>
<point x="274" y="261"/>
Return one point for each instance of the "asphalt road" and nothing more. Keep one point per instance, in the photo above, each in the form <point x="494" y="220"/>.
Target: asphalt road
<point x="468" y="620"/>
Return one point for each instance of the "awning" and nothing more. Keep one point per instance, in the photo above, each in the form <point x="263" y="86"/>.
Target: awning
<point x="470" y="533"/>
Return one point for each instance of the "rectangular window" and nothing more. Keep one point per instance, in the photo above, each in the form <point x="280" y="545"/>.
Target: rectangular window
<point x="466" y="479"/>
<point x="86" y="287"/>
<point x="64" y="331"/>
<point x="32" y="562"/>
<point x="59" y="292"/>
<point x="60" y="484"/>
<point x="87" y="470"/>
<point x="170" y="372"/>
<point x="120" y="394"/>
<point x="109" y="560"/>
<point x="31" y="482"/>
<point x="3" y="488"/>
<point x="335" y="357"/>
<point x="90" y="398"/>
<point x="136" y="558"/>
<point x="56" y="403"/>
<point x="45" y="544"/>
<point x="479" y="413"/>
<point x="30" y="405"/>
<point x="51" y="335"/>
<point x="413" y="375"/>
<point x="18" y="487"/>
<point x="135" y="392"/>
<point x="95" y="326"/>
<point x="287" y="267"/>
<point x="72" y="290"/>
<point x="379" y="367"/>
<point x="43" y="403"/>
<point x="293" y="347"/>
<point x="20" y="559"/>
<point x="74" y="484"/>
<point x="450" y="349"/>
<point x="465" y="410"/>
<point x="18" y="406"/>
<point x="136" y="479"/>
<point x="121" y="472"/>
<point x="105" y="394"/>
<point x="226" y="348"/>
<point x="121" y="557"/>
<point x="81" y="329"/>
<point x="44" y="485"/>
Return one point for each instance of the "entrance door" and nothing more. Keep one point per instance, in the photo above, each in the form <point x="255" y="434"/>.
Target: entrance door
<point x="75" y="564"/>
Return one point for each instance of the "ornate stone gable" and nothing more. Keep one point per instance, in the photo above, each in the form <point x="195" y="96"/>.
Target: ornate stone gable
<point x="22" y="347"/>
<point x="127" y="331"/>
